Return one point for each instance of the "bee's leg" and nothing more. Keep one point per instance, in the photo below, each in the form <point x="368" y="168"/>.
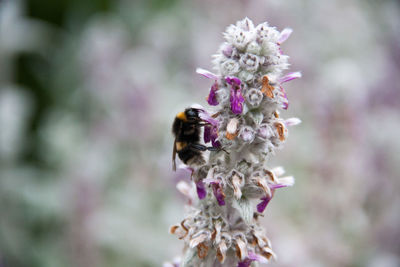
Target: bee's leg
<point x="198" y="147"/>
<point x="204" y="124"/>
<point x="211" y="148"/>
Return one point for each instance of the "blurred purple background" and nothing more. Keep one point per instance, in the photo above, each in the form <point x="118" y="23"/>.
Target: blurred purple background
<point x="88" y="93"/>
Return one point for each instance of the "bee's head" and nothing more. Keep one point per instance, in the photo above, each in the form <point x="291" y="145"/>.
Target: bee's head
<point x="189" y="115"/>
<point x="192" y="114"/>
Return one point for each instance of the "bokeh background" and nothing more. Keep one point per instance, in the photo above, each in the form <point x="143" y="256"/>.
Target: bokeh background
<point x="88" y="92"/>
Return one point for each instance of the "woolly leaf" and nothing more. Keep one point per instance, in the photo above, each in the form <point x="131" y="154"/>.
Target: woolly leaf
<point x="245" y="209"/>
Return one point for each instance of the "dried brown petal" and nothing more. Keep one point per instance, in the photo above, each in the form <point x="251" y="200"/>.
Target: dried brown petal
<point x="271" y="175"/>
<point x="241" y="249"/>
<point x="217" y="232"/>
<point x="230" y="136"/>
<point x="179" y="231"/>
<point x="173" y="229"/>
<point x="184" y="228"/>
<point x="197" y="240"/>
<point x="232" y="129"/>
<point x="221" y="251"/>
<point x="236" y="182"/>
<point x="261" y="182"/>
<point x="266" y="88"/>
<point x="202" y="250"/>
<point x="281" y="130"/>
<point x="267" y="252"/>
<point x="261" y="240"/>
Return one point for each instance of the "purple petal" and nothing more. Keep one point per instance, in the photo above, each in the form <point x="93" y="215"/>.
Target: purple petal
<point x="236" y="107"/>
<point x="218" y="193"/>
<point x="292" y="121"/>
<point x="276" y="186"/>
<point x="284" y="35"/>
<point x="245" y="263"/>
<point x="255" y="257"/>
<point x="214" y="137"/>
<point x="207" y="134"/>
<point x="233" y="80"/>
<point x="290" y="76"/>
<point x="210" y="180"/>
<point x="215" y="143"/>
<point x="236" y="100"/>
<point x="201" y="190"/>
<point x="227" y="50"/>
<point x="206" y="117"/>
<point x="236" y="97"/>
<point x="212" y="97"/>
<point x="263" y="204"/>
<point x="285" y="103"/>
<point x="252" y="257"/>
<point x="247" y="134"/>
<point x="211" y="134"/>
<point x="283" y="182"/>
<point x="207" y="74"/>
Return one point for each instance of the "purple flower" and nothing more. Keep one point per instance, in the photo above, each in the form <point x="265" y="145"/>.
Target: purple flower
<point x="276" y="186"/>
<point x="236" y="98"/>
<point x="210" y="131"/>
<point x="218" y="193"/>
<point x="236" y="101"/>
<point x="256" y="257"/>
<point x="233" y="81"/>
<point x="264" y="131"/>
<point x="292" y="121"/>
<point x="285" y="103"/>
<point x="263" y="204"/>
<point x="246" y="263"/>
<point x="207" y="118"/>
<point x="207" y="74"/>
<point x="201" y="190"/>
<point x="290" y="76"/>
<point x="282" y="182"/>
<point x="227" y="50"/>
<point x="207" y="134"/>
<point x="212" y="96"/>
<point x="211" y="134"/>
<point x="250" y="258"/>
<point x="284" y="35"/>
<point x="247" y="134"/>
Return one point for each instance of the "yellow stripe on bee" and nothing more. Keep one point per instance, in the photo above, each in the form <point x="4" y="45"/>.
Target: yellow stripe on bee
<point x="181" y="116"/>
<point x="180" y="145"/>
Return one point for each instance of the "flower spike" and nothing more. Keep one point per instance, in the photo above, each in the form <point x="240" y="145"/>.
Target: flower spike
<point x="233" y="189"/>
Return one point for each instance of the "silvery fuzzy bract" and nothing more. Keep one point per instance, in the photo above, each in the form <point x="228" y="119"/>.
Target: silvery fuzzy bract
<point x="236" y="184"/>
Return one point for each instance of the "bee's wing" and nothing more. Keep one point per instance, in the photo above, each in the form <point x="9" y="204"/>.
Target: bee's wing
<point x="174" y="156"/>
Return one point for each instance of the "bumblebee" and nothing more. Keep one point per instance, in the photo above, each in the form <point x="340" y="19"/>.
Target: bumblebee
<point x="186" y="130"/>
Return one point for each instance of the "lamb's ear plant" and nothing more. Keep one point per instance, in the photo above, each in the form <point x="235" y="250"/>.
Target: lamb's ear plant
<point x="232" y="189"/>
